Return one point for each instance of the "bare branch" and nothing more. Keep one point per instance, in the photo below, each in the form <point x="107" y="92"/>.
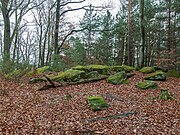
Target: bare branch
<point x="10" y="7"/>
<point x="71" y="2"/>
<point x="72" y="10"/>
<point x="70" y="33"/>
<point x="12" y="11"/>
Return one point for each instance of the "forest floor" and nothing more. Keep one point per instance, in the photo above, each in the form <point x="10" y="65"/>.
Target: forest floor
<point x="24" y="110"/>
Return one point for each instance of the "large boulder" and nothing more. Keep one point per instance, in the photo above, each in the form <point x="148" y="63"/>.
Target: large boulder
<point x="93" y="74"/>
<point x="122" y="68"/>
<point x="101" y="69"/>
<point x="157" y="76"/>
<point x="147" y="70"/>
<point x="157" y="68"/>
<point x="69" y="76"/>
<point x="37" y="80"/>
<point x="96" y="103"/>
<point x="147" y="85"/>
<point x="118" y="78"/>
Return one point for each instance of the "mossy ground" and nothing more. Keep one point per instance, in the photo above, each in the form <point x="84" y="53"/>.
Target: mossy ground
<point x="165" y="95"/>
<point x="173" y="73"/>
<point x="13" y="74"/>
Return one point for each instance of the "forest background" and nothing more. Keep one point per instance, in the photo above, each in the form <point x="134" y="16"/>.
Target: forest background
<point x="142" y="33"/>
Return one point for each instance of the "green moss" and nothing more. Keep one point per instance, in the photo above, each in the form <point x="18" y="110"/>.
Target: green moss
<point x="39" y="71"/>
<point x="96" y="103"/>
<point x="84" y="68"/>
<point x="147" y="70"/>
<point x="165" y="95"/>
<point x="157" y="76"/>
<point x="101" y="69"/>
<point x="128" y="68"/>
<point x="126" y="82"/>
<point x="118" y="78"/>
<point x="37" y="80"/>
<point x="93" y="74"/>
<point x="13" y="75"/>
<point x="69" y="75"/>
<point x="31" y="73"/>
<point x="117" y="68"/>
<point x="173" y="73"/>
<point x="146" y="85"/>
<point x="43" y="69"/>
<point x="122" y="68"/>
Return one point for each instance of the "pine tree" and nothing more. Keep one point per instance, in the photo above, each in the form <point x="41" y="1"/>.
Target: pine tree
<point x="104" y="46"/>
<point x="79" y="52"/>
<point x="90" y="25"/>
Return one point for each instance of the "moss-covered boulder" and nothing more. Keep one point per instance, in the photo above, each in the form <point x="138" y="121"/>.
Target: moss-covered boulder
<point x="69" y="75"/>
<point x="173" y="73"/>
<point x="93" y="74"/>
<point x="122" y="68"/>
<point x="157" y="76"/>
<point x="31" y="73"/>
<point x="104" y="70"/>
<point x="44" y="69"/>
<point x="83" y="68"/>
<point x="147" y="70"/>
<point x="147" y="85"/>
<point x="118" y="78"/>
<point x="157" y="68"/>
<point x="96" y="103"/>
<point x="39" y="70"/>
<point x="37" y="80"/>
<point x="101" y="69"/>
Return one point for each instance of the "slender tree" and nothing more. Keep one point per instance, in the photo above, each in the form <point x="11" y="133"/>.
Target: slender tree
<point x="142" y="33"/>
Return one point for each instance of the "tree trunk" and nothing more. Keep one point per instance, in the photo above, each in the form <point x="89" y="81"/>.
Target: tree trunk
<point x="129" y="44"/>
<point x="56" y="35"/>
<point x="169" y="27"/>
<point x="40" y="46"/>
<point x="148" y="49"/>
<point x="142" y="31"/>
<point x="7" y="36"/>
